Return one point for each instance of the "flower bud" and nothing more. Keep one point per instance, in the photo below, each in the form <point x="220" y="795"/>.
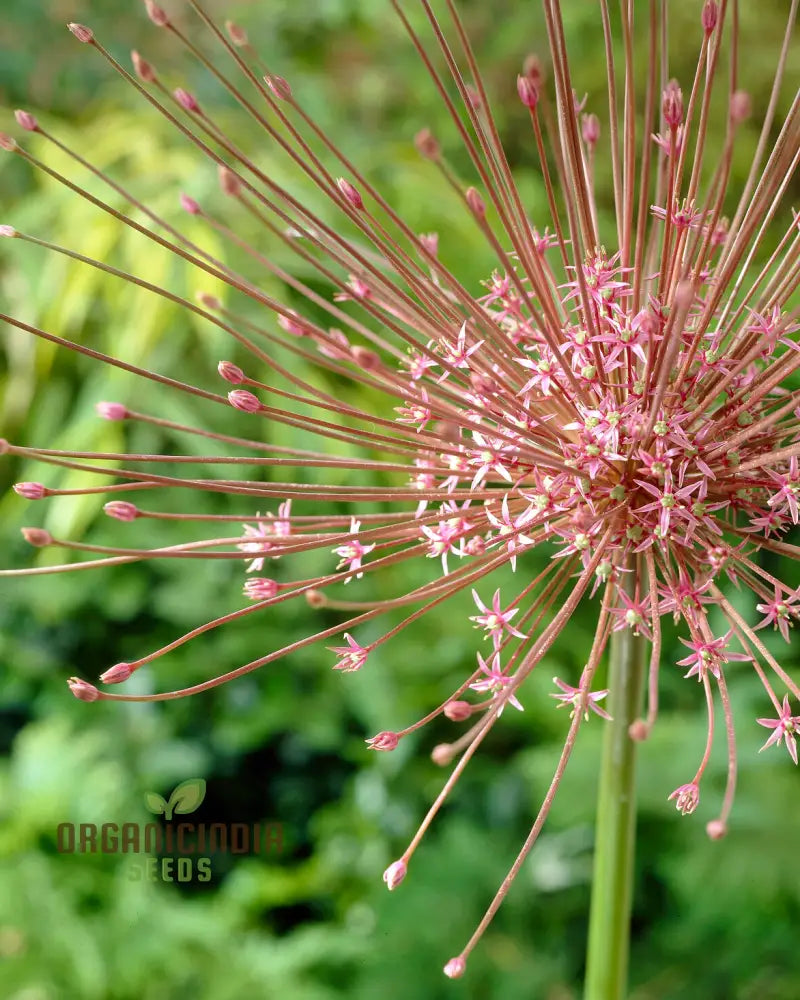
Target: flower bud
<point x="237" y="35"/>
<point x="672" y="104"/>
<point x="475" y="546"/>
<point x="186" y="100"/>
<point x="229" y="182"/>
<point x="31" y="491"/>
<point x="442" y="754"/>
<point x="142" y="68"/>
<point x="117" y="674"/>
<point x="430" y="241"/>
<point x="8" y="143"/>
<point x="292" y="325"/>
<point x="231" y="373"/>
<point x="38" y="537"/>
<point x="474" y="97"/>
<point x="8" y="231"/>
<point x="26" y="120"/>
<point x="111" y="411"/>
<point x="156" y="14"/>
<point x="315" y="598"/>
<point x="260" y="588"/>
<point x="350" y="193"/>
<point x="533" y="69"/>
<point x="241" y="399"/>
<point x="716" y="829"/>
<point x="82" y="689"/>
<point x="279" y="87"/>
<point x="458" y="711"/>
<point x="455" y="968"/>
<point x="741" y="106"/>
<point x="590" y="130"/>
<point x="710" y="16"/>
<point x="427" y="145"/>
<point x="189" y="205"/>
<point x="638" y="731"/>
<point x="367" y="359"/>
<point x="395" y="874"/>
<point x="209" y="301"/>
<point x="121" y="510"/>
<point x="81" y="32"/>
<point x="384" y="741"/>
<point x="475" y="202"/>
<point x="528" y="92"/>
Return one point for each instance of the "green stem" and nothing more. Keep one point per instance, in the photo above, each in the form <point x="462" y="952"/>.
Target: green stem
<point x="615" y="831"/>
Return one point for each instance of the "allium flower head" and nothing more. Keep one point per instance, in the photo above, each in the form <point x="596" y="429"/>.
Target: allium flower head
<point x="617" y="397"/>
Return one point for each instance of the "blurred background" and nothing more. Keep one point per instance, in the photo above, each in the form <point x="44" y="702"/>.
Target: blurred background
<point x="314" y="922"/>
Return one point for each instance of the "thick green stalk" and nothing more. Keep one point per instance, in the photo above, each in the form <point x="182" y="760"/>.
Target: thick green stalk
<point x="615" y="831"/>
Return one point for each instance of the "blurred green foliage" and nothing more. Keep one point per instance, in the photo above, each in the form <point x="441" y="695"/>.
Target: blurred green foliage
<point x="712" y="921"/>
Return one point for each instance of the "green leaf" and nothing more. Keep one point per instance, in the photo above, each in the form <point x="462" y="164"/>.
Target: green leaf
<point x="187" y="796"/>
<point x="155" y="803"/>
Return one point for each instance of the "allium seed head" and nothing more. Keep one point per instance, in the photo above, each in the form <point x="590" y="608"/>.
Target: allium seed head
<point x="607" y="426"/>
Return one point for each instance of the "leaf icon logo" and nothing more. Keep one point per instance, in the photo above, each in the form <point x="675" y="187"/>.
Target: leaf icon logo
<point x="185" y="798"/>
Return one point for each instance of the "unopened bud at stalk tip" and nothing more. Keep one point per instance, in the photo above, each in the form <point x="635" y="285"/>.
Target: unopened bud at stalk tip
<point x="395" y="874"/>
<point x="455" y="968"/>
<point x="111" y="411"/>
<point x="26" y="120"/>
<point x="231" y="373"/>
<point x="117" y="674"/>
<point x="243" y="400"/>
<point x="351" y="194"/>
<point x="38" y="537"/>
<point x="31" y="491"/>
<point x="81" y="32"/>
<point x="427" y="145"/>
<point x="237" y="35"/>
<point x="476" y="203"/>
<point x="142" y="68"/>
<point x="156" y="14"/>
<point x="121" y="510"/>
<point x="82" y="689"/>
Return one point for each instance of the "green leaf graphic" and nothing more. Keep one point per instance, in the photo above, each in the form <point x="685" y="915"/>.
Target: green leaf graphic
<point x="155" y="803"/>
<point x="186" y="796"/>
